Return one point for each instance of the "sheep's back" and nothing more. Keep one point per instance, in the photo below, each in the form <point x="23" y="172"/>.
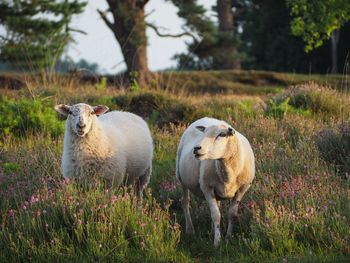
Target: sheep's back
<point x="131" y="136"/>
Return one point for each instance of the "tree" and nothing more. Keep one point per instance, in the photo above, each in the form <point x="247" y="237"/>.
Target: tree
<point x="268" y="41"/>
<point x="316" y="21"/>
<point x="217" y="45"/>
<point x="129" y="29"/>
<point x="36" y="31"/>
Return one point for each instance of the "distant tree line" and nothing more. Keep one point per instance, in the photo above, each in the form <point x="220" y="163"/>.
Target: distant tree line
<point x="303" y="36"/>
<point x="263" y="35"/>
<point x="61" y="66"/>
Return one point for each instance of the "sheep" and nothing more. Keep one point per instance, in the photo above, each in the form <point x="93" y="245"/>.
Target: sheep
<point x="214" y="162"/>
<point x="117" y="145"/>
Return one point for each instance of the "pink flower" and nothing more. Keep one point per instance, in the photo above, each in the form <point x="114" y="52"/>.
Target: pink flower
<point x="24" y="207"/>
<point x="99" y="245"/>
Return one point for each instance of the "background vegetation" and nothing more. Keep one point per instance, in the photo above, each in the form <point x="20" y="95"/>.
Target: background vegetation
<point x="296" y="210"/>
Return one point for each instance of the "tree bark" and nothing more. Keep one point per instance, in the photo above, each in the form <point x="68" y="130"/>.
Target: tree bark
<point x="334" y="51"/>
<point x="225" y="16"/>
<point x="130" y="31"/>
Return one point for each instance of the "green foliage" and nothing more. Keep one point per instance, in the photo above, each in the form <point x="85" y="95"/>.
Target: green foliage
<point x="315" y="20"/>
<point x="18" y="117"/>
<point x="36" y="31"/>
<point x="277" y="109"/>
<point x="134" y="85"/>
<point x="267" y="32"/>
<point x="100" y="87"/>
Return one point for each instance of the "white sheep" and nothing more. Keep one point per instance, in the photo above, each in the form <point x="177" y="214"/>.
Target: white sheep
<point x="214" y="162"/>
<point x="117" y="145"/>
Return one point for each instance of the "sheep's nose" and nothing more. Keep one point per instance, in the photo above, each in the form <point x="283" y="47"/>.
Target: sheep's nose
<point x="196" y="148"/>
<point x="81" y="125"/>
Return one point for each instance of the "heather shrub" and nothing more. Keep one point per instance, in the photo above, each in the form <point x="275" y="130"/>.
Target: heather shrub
<point x="17" y="117"/>
<point x="157" y="108"/>
<point x="89" y="224"/>
<point x="323" y="102"/>
<point x="334" y="146"/>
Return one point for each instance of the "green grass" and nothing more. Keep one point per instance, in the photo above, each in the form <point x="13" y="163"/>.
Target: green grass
<point x="296" y="210"/>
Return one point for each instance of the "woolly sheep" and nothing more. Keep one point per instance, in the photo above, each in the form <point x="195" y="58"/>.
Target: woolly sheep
<point x="214" y="162"/>
<point x="117" y="145"/>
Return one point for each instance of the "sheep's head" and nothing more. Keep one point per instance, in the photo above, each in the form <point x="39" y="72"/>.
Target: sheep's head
<point x="214" y="143"/>
<point x="80" y="116"/>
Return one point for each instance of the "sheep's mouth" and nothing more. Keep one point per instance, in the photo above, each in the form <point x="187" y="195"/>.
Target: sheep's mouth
<point x="198" y="156"/>
<point x="80" y="132"/>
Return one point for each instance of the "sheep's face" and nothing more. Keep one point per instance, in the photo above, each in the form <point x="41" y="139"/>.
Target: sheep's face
<point x="214" y="142"/>
<point x="80" y="116"/>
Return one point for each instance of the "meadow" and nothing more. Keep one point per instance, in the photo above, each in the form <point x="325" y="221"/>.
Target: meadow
<point x="297" y="209"/>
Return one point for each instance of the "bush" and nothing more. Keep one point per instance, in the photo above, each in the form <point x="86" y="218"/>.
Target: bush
<point x="20" y="116"/>
<point x="334" y="146"/>
<point x="311" y="98"/>
<point x="277" y="108"/>
<point x="157" y="109"/>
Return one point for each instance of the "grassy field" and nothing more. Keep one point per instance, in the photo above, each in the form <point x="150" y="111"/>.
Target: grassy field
<point x="296" y="210"/>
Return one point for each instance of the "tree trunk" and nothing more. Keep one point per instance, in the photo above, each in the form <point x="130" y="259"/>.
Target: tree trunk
<point x="225" y="16"/>
<point x="334" y="51"/>
<point x="130" y="31"/>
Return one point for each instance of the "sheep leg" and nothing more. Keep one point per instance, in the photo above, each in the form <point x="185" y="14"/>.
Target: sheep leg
<point x="212" y="223"/>
<point x="214" y="212"/>
<point x="140" y="185"/>
<point x="233" y="210"/>
<point x="186" y="208"/>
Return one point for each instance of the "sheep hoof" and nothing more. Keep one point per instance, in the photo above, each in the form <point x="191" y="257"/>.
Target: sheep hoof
<point x="216" y="243"/>
<point x="190" y="230"/>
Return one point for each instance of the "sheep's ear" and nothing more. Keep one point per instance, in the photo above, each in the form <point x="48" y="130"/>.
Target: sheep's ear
<point x="100" y="109"/>
<point x="230" y="131"/>
<point x="200" y="128"/>
<point x="63" y="109"/>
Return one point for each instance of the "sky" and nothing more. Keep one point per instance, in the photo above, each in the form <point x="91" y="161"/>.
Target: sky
<point x="99" y="44"/>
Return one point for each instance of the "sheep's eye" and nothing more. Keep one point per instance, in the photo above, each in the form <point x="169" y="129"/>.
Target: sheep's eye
<point x="222" y="134"/>
<point x="92" y="113"/>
